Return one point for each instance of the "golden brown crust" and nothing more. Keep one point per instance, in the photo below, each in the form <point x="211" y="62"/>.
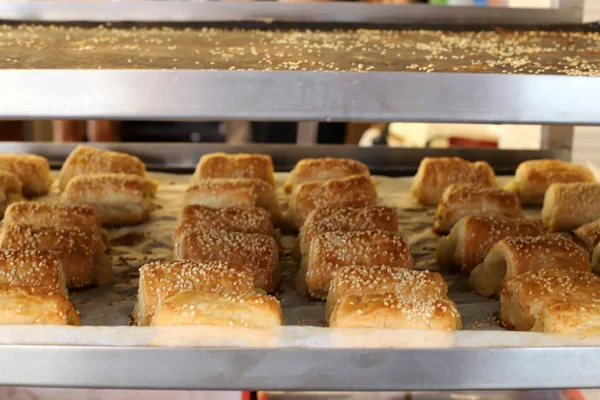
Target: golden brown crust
<point x="260" y="253"/>
<point x="252" y="310"/>
<point x="533" y="178"/>
<point x="81" y="252"/>
<point x="35" y="306"/>
<point x="570" y="205"/>
<point x="461" y="200"/>
<point x="122" y="199"/>
<point x="435" y="174"/>
<point x="332" y="250"/>
<point x="240" y="165"/>
<point x="32" y="171"/>
<point x="596" y="260"/>
<point x="162" y="279"/>
<point x="242" y="192"/>
<point x="322" y="169"/>
<point x="231" y="219"/>
<point x="524" y="296"/>
<point x="365" y="280"/>
<point x="10" y="190"/>
<point x="395" y="311"/>
<point x="581" y="317"/>
<point x="588" y="235"/>
<point x="32" y="268"/>
<point x="472" y="237"/>
<point x="88" y="160"/>
<point x="330" y="219"/>
<point x="352" y="191"/>
<point x="516" y="255"/>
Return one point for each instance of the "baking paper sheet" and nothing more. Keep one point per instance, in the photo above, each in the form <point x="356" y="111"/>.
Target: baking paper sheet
<point x="105" y="311"/>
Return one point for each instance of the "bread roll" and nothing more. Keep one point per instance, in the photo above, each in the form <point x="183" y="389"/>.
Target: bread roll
<point x="331" y="219"/>
<point x="253" y="310"/>
<point x="523" y="297"/>
<point x="581" y="317"/>
<point x="330" y="251"/>
<point x="241" y="165"/>
<point x="88" y="160"/>
<point x="32" y="268"/>
<point x="533" y="178"/>
<point x="35" y="306"/>
<point x="161" y="279"/>
<point x="466" y="199"/>
<point x="588" y="235"/>
<point x="515" y="255"/>
<point x="260" y="253"/>
<point x="33" y="172"/>
<point x="395" y="311"/>
<point x="435" y="174"/>
<point x="10" y="190"/>
<point x="122" y="199"/>
<point x="231" y="219"/>
<point x="353" y="191"/>
<point x="323" y="169"/>
<point x="570" y="205"/>
<point x="355" y="280"/>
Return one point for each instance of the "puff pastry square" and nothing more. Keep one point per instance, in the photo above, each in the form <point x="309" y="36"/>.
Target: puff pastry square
<point x="162" y="279"/>
<point x="122" y="199"/>
<point x="435" y="174"/>
<point x="332" y="250"/>
<point x="524" y="296"/>
<point x="534" y="177"/>
<point x="252" y="310"/>
<point x="570" y="205"/>
<point x="32" y="268"/>
<point x="395" y="311"/>
<point x="322" y="169"/>
<point x="330" y="219"/>
<point x="260" y="253"/>
<point x="35" y="306"/>
<point x="580" y="317"/>
<point x="242" y="192"/>
<point x="88" y="160"/>
<point x="362" y="280"/>
<point x="240" y="165"/>
<point x="515" y="255"/>
<point x="81" y="252"/>
<point x="353" y="191"/>
<point x="10" y="190"/>
<point x="472" y="237"/>
<point x="32" y="171"/>
<point x="232" y="219"/>
<point x="466" y="199"/>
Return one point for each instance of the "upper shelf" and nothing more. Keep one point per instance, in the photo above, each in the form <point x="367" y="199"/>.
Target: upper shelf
<point x="129" y="71"/>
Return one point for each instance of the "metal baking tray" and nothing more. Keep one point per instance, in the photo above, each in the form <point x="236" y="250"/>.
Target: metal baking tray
<point x="339" y="361"/>
<point x="128" y="71"/>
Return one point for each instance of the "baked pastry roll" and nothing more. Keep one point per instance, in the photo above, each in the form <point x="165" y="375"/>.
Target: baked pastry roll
<point x="396" y="311"/>
<point x="596" y="260"/>
<point x="240" y="165"/>
<point x="232" y="219"/>
<point x="588" y="235"/>
<point x="534" y="177"/>
<point x="581" y="317"/>
<point x="242" y="192"/>
<point x="330" y="219"/>
<point x="32" y="268"/>
<point x="472" y="237"/>
<point x="122" y="199"/>
<point x="515" y="255"/>
<point x="330" y="251"/>
<point x="81" y="252"/>
<point x="322" y="169"/>
<point x="435" y="174"/>
<point x="10" y="190"/>
<point x="162" y="279"/>
<point x="466" y="199"/>
<point x="35" y="306"/>
<point x="252" y="310"/>
<point x="33" y="171"/>
<point x="88" y="160"/>
<point x="570" y="205"/>
<point x="523" y="297"/>
<point x="353" y="191"/>
<point x="260" y="253"/>
<point x="362" y="280"/>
